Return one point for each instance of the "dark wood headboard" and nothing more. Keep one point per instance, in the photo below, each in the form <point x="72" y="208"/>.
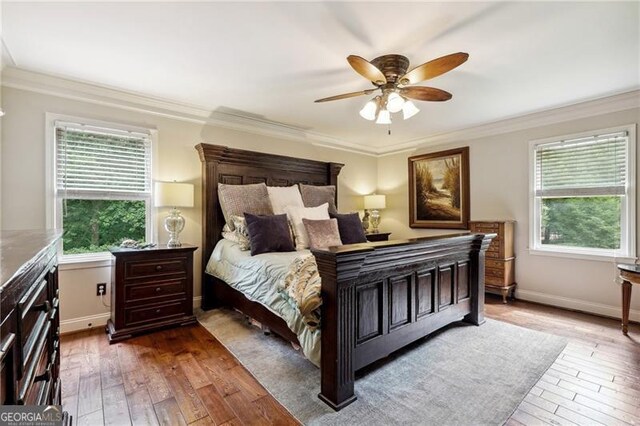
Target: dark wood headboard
<point x="221" y="164"/>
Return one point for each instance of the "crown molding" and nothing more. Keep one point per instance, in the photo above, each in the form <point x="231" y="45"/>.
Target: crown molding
<point x="18" y="78"/>
<point x="32" y="81"/>
<point x="590" y="108"/>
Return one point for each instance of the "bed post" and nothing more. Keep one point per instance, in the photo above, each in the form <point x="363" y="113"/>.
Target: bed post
<point x="477" y="255"/>
<point x="339" y="317"/>
<point x="210" y="227"/>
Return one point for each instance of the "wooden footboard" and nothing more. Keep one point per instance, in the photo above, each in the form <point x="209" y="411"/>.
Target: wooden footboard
<point x="379" y="297"/>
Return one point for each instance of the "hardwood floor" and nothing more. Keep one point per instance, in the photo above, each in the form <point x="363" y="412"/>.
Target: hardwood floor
<point x="184" y="376"/>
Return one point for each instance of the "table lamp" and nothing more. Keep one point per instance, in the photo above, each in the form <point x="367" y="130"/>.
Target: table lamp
<point x="174" y="195"/>
<point x="374" y="203"/>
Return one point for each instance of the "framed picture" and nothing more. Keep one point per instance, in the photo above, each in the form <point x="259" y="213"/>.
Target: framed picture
<point x="439" y="189"/>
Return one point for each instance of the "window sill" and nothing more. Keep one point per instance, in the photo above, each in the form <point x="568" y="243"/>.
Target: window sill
<point x="84" y="261"/>
<point x="583" y="256"/>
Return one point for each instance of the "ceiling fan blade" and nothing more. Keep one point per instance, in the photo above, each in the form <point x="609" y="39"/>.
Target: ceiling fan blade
<point x="367" y="69"/>
<point x="434" y="68"/>
<point x="346" y="95"/>
<point x="425" y="94"/>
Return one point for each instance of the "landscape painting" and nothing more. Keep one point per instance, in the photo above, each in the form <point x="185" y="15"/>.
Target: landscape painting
<point x="439" y="189"/>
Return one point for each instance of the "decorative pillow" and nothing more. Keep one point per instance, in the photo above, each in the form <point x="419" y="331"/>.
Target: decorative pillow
<point x="269" y="233"/>
<point x="284" y="196"/>
<point x="322" y="233"/>
<point x="350" y="227"/>
<point x="313" y="196"/>
<point x="296" y="214"/>
<point x="240" y="234"/>
<point x="239" y="199"/>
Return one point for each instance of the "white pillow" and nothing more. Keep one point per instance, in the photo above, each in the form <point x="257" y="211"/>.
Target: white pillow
<point x="296" y="214"/>
<point x="282" y="197"/>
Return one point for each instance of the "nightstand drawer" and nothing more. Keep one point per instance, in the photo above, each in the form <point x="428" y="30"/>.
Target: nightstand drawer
<point x="496" y="273"/>
<point x="149" y="292"/>
<point x="154" y="268"/>
<point x="134" y="316"/>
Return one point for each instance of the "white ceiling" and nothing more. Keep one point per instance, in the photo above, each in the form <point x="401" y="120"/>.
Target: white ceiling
<point x="273" y="59"/>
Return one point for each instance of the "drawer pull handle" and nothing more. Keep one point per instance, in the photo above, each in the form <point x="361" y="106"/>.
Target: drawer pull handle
<point x="45" y="307"/>
<point x="157" y="311"/>
<point x="159" y="268"/>
<point x="158" y="289"/>
<point x="44" y="376"/>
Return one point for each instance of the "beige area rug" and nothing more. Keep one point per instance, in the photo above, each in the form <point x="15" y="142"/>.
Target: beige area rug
<point x="462" y="375"/>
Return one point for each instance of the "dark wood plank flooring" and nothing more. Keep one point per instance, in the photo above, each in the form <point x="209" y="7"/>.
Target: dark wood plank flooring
<point x="184" y="376"/>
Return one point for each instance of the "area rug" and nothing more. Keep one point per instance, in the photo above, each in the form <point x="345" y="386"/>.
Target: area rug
<point x="462" y="375"/>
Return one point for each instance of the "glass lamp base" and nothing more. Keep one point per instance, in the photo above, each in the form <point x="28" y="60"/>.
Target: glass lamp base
<point x="174" y="224"/>
<point x="375" y="221"/>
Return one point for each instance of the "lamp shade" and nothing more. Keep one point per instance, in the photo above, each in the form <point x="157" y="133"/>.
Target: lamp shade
<point x="174" y="194"/>
<point x="375" y="202"/>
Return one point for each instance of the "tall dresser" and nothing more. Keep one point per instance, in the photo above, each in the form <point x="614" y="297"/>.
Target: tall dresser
<point x="500" y="257"/>
<point x="29" y="319"/>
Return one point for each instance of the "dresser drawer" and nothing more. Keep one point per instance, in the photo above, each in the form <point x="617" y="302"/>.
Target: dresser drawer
<point x="37" y="373"/>
<point x="494" y="272"/>
<point x="498" y="264"/>
<point x="155" y="268"/>
<point x="485" y="227"/>
<point x="150" y="314"/>
<point x="33" y="313"/>
<point x="149" y="292"/>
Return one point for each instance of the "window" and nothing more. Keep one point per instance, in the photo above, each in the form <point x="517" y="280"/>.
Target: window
<point x="583" y="197"/>
<point x="103" y="186"/>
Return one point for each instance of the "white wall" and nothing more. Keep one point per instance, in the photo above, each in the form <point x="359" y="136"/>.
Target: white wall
<point x="23" y="179"/>
<point x="499" y="190"/>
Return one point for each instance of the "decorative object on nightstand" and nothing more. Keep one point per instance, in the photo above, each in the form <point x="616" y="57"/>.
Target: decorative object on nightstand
<point x="174" y="195"/>
<point x="365" y="221"/>
<point x="500" y="258"/>
<point x="151" y="289"/>
<point x="374" y="203"/>
<point x="378" y="236"/>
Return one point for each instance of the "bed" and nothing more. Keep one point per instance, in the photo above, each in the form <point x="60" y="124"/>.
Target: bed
<point x="376" y="297"/>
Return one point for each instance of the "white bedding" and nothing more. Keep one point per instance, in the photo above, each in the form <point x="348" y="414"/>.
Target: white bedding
<point x="257" y="277"/>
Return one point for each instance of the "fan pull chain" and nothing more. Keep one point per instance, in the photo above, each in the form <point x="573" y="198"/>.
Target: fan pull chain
<point x="389" y="129"/>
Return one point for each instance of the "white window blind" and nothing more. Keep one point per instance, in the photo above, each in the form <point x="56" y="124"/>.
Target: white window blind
<point x="589" y="166"/>
<point x="102" y="161"/>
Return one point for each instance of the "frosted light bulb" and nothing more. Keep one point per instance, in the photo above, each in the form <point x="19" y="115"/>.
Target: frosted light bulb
<point x="409" y="109"/>
<point x="395" y="102"/>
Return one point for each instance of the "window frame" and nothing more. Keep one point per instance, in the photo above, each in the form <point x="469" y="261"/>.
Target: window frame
<point x="627" y="252"/>
<point x="54" y="201"/>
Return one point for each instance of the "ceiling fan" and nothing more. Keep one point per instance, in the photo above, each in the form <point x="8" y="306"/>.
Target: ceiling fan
<point x="389" y="75"/>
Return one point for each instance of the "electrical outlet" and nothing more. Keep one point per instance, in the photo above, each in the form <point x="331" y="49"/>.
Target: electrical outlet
<point x="101" y="288"/>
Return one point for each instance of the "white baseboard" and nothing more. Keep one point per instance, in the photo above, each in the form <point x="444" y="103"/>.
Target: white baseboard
<point x="197" y="301"/>
<point x="91" y="321"/>
<point x="82" y="323"/>
<point x="580" y="305"/>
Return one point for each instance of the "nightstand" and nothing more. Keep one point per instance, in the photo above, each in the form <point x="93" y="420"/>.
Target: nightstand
<point x="151" y="289"/>
<point x="380" y="236"/>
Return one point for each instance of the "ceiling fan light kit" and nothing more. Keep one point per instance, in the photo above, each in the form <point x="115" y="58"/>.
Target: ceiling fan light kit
<point x="389" y="74"/>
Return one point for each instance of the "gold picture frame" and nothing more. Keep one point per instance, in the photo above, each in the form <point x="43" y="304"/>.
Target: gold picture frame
<point x="439" y="189"/>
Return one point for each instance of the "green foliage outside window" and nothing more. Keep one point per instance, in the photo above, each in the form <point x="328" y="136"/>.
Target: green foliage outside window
<point x="592" y="222"/>
<point x="92" y="226"/>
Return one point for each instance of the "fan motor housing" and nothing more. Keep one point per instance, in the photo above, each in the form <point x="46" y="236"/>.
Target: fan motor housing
<point x="392" y="66"/>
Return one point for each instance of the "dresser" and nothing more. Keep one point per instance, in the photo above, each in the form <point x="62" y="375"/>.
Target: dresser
<point x="500" y="257"/>
<point x="151" y="289"/>
<point x="30" y="319"/>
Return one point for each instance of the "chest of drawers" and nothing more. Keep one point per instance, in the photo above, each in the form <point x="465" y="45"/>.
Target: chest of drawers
<point x="150" y="289"/>
<point x="500" y="256"/>
<point x="29" y="319"/>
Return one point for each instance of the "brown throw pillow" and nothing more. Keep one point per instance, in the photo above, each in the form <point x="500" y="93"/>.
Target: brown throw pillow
<point x="322" y="233"/>
<point x="350" y="227"/>
<point x="236" y="200"/>
<point x="269" y="233"/>
<point x="314" y="196"/>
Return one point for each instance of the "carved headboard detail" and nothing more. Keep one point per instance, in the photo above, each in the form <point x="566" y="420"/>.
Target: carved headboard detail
<point x="221" y="164"/>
